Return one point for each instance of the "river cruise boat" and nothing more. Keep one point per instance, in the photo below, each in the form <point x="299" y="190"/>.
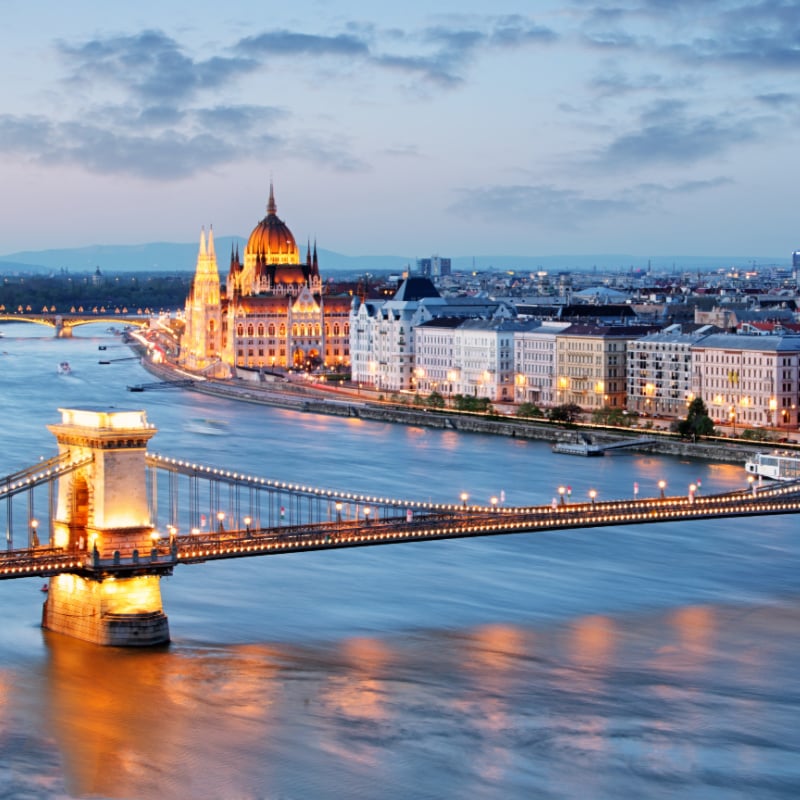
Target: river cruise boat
<point x="777" y="466"/>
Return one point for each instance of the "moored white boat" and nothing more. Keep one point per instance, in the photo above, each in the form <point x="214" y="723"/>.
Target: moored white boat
<point x="777" y="466"/>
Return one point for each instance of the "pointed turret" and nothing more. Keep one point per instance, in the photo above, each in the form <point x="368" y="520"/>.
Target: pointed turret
<point x="211" y="253"/>
<point x="203" y="250"/>
<point x="315" y="262"/>
<point x="272" y="209"/>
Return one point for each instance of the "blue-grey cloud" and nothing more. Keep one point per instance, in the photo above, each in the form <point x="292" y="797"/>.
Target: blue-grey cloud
<point x="760" y="36"/>
<point x="669" y="134"/>
<point x="291" y="43"/>
<point x="438" y="54"/>
<point x="541" y="205"/>
<point x="779" y="99"/>
<point x="163" y="156"/>
<point x="151" y="65"/>
<point x="537" y="204"/>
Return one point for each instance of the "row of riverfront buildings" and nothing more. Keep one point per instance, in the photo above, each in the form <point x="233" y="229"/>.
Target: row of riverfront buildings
<point x="274" y="314"/>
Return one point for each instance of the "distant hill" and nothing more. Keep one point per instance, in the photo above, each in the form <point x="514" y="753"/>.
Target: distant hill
<point x="171" y="257"/>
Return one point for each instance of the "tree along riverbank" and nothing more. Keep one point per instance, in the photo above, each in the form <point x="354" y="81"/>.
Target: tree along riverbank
<point x="322" y="400"/>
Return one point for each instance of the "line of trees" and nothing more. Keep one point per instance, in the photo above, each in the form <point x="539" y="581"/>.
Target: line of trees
<point x="62" y="292"/>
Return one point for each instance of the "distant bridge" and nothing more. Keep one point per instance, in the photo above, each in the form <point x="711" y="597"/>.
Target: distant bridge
<point x="63" y="324"/>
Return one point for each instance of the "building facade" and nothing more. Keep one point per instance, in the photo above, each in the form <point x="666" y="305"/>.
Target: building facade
<point x="659" y="371"/>
<point x="273" y="313"/>
<point x="748" y="380"/>
<point x="591" y="364"/>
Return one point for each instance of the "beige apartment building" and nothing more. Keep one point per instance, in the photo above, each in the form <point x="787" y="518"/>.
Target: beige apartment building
<point x="591" y="364"/>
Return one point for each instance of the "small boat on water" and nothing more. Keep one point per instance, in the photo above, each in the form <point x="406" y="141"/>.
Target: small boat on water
<point x="64" y="368"/>
<point x="207" y="427"/>
<point x="781" y="466"/>
<point x="577" y="449"/>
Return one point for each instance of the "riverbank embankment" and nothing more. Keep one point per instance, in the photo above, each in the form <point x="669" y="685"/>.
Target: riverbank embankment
<point x="312" y="398"/>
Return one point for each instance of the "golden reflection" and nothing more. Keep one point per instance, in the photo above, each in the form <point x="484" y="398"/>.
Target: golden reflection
<point x="358" y="695"/>
<point x="592" y="642"/>
<point x="131" y="722"/>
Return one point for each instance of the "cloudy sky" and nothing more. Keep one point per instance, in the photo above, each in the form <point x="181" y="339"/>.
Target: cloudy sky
<point x="647" y="127"/>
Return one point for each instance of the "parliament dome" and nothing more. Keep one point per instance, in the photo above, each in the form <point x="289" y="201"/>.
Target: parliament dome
<point x="271" y="240"/>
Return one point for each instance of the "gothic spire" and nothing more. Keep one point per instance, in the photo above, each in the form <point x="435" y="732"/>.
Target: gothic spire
<point x="271" y="207"/>
<point x="211" y="252"/>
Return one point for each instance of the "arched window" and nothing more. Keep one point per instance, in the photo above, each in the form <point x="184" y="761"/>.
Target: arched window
<point x="347" y="329"/>
<point x="240" y="329"/>
<point x="250" y="330"/>
<point x="336" y="329"/>
<point x="271" y="329"/>
<point x="261" y="330"/>
<point x="283" y="330"/>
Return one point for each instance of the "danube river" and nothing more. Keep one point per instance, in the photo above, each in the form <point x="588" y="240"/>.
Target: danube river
<point x="641" y="662"/>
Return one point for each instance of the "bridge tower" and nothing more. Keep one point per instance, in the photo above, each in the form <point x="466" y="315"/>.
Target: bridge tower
<point x="102" y="515"/>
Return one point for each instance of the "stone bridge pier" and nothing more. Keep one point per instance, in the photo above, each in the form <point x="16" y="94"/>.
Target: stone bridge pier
<point x="63" y="331"/>
<point x="102" y="516"/>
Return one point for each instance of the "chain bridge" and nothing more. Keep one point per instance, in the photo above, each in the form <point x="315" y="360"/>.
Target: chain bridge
<point x="105" y="519"/>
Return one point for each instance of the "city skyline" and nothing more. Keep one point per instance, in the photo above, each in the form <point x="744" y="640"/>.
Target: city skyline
<point x="643" y="128"/>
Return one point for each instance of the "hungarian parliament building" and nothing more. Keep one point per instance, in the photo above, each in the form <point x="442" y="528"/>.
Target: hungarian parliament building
<point x="273" y="313"/>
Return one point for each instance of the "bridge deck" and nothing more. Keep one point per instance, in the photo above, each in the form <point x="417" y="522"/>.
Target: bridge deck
<point x="459" y="523"/>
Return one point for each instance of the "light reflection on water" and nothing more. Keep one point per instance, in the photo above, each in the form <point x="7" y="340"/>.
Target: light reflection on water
<point x="631" y="662"/>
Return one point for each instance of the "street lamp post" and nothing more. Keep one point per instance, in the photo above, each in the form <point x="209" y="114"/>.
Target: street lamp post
<point x="247" y="522"/>
<point x="662" y="484"/>
<point x="220" y="521"/>
<point x="561" y="491"/>
<point x="34" y="533"/>
<point x="593" y="495"/>
<point x="464" y="498"/>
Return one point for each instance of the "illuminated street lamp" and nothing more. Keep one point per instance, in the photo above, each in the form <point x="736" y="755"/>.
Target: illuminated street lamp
<point x="464" y="498"/>
<point x="561" y="491"/>
<point x="339" y="513"/>
<point x="662" y="484"/>
<point x="34" y="533"/>
<point x="247" y="522"/>
<point x="593" y="495"/>
<point x="692" y="490"/>
<point x="493" y="501"/>
<point x="220" y="520"/>
<point x="751" y="479"/>
<point x="367" y="512"/>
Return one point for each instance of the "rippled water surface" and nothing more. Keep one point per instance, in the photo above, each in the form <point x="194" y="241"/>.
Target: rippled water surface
<point x="649" y="661"/>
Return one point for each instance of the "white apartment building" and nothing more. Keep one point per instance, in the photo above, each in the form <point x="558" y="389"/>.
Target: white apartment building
<point x="748" y="380"/>
<point x="383" y="343"/>
<point x="535" y="362"/>
<point x="473" y="357"/>
<point x="659" y="371"/>
<point x="382" y="333"/>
